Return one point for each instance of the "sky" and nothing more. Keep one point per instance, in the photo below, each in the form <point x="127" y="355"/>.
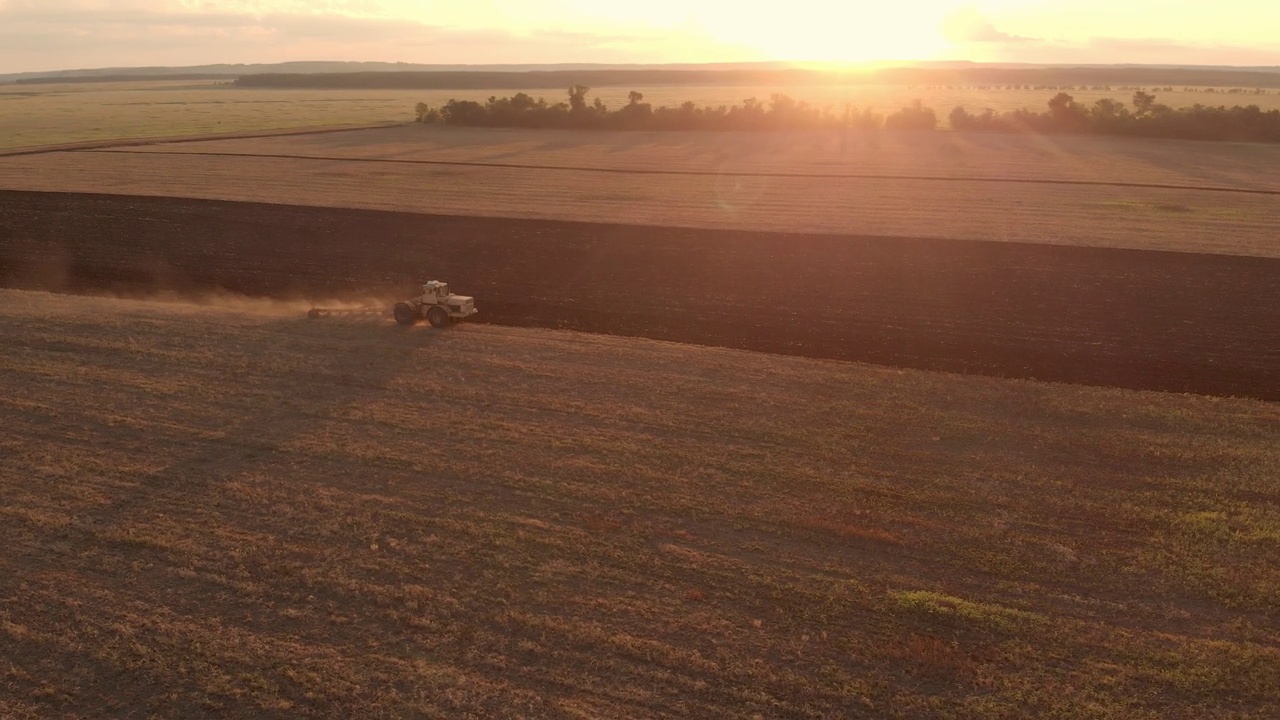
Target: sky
<point x="40" y="35"/>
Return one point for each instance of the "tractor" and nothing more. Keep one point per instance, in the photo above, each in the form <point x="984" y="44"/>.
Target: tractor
<point x="437" y="304"/>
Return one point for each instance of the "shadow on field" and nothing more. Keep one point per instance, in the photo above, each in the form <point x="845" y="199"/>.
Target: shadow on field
<point x="303" y="386"/>
<point x="167" y="542"/>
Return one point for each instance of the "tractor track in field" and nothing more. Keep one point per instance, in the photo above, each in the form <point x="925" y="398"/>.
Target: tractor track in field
<point x="107" y="145"/>
<point x="1165" y="321"/>
<point x="693" y="173"/>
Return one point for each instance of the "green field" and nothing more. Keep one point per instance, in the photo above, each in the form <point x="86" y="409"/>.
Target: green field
<point x="35" y="115"/>
<point x="232" y="511"/>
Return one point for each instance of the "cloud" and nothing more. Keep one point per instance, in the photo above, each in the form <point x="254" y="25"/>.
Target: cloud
<point x="976" y="37"/>
<point x="967" y="25"/>
<point x="38" y="35"/>
<point x="1165" y="51"/>
<point x="61" y="34"/>
<point x="1135" y="51"/>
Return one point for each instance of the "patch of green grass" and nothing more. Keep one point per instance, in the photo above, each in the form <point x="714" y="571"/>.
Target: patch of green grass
<point x="1148" y="207"/>
<point x="983" y="616"/>
<point x="1216" y="212"/>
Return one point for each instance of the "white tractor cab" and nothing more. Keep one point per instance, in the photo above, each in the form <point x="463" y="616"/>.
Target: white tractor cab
<point x="437" y="304"/>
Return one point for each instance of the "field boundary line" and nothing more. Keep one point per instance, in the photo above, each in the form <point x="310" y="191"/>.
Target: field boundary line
<point x="106" y="145"/>
<point x="700" y="173"/>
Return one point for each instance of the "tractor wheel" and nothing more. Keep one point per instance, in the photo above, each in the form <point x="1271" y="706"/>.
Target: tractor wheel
<point x="405" y="313"/>
<point x="438" y="317"/>
<point x="313" y="313"/>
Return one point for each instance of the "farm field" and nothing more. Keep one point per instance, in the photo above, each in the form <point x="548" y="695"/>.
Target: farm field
<point x="1106" y="192"/>
<point x="34" y="115"/>
<point x="37" y="115"/>
<point x="229" y="511"/>
<point x="1153" y="320"/>
<point x="957" y="155"/>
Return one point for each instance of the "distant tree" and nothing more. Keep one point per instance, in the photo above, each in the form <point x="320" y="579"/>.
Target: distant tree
<point x="748" y="116"/>
<point x="636" y="114"/>
<point x="1059" y="103"/>
<point x="464" y="112"/>
<point x="426" y="114"/>
<point x="519" y="110"/>
<point x="578" y="98"/>
<point x="1142" y="103"/>
<point x="1108" y="108"/>
<point x="864" y="119"/>
<point x="1067" y="114"/>
<point x="914" y="117"/>
<point x="1110" y="116"/>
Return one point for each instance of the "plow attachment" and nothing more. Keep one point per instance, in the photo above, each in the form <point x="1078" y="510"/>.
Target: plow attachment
<point x="316" y="313"/>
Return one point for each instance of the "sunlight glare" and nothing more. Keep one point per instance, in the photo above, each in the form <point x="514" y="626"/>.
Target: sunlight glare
<point x="835" y="34"/>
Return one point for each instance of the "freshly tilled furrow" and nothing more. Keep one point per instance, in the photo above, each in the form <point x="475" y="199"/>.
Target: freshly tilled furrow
<point x="1166" y="321"/>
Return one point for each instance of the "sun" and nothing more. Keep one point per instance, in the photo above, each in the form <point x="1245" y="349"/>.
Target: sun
<point x="799" y="31"/>
<point x="839" y="48"/>
<point x="828" y="33"/>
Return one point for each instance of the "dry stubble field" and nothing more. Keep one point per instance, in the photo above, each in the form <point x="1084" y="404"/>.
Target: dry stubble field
<point x="1141" y="194"/>
<point x="230" y="511"/>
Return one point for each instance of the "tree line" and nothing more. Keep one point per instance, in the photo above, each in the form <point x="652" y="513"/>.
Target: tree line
<point x="1147" y="118"/>
<point x="781" y="113"/>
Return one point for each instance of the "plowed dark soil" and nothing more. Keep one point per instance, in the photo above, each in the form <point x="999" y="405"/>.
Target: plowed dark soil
<point x="1151" y="320"/>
